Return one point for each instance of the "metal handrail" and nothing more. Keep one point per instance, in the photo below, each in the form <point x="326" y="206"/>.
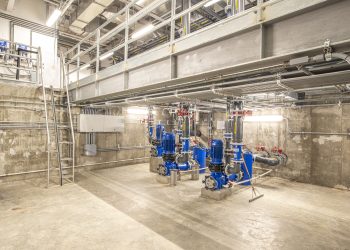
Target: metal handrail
<point x="124" y="26"/>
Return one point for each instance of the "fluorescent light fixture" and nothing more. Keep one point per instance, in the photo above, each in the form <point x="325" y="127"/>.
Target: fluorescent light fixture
<point x="138" y="111"/>
<point x="143" y="31"/>
<point x="264" y="118"/>
<point x="106" y="56"/>
<point x="85" y="66"/>
<point x="139" y="2"/>
<point x="210" y="3"/>
<point x="53" y="18"/>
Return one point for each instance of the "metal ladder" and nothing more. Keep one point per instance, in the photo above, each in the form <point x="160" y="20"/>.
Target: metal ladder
<point x="64" y="148"/>
<point x="71" y="135"/>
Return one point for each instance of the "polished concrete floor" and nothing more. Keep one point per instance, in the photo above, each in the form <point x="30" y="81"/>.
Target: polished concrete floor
<point x="125" y="208"/>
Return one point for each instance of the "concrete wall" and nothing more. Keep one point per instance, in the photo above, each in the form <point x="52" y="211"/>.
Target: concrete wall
<point x="318" y="159"/>
<point x="24" y="150"/>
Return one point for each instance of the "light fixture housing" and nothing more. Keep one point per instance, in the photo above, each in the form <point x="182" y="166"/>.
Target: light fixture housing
<point x="264" y="118"/>
<point x="106" y="56"/>
<point x="138" y="111"/>
<point x="210" y="3"/>
<point x="54" y="17"/>
<point x="145" y="30"/>
<point x="85" y="66"/>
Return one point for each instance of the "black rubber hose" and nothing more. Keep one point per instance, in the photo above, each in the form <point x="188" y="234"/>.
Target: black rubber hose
<point x="268" y="161"/>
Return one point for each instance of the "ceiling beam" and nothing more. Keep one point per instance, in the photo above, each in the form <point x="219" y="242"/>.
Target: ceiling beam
<point x="10" y="5"/>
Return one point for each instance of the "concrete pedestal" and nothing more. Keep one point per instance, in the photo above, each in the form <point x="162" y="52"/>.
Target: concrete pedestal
<point x="154" y="164"/>
<point x="163" y="179"/>
<point x="217" y="194"/>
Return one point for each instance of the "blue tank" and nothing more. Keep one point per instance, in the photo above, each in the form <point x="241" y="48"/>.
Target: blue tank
<point x="249" y="160"/>
<point x="199" y="155"/>
<point x="216" y="152"/>
<point x="169" y="144"/>
<point x="159" y="132"/>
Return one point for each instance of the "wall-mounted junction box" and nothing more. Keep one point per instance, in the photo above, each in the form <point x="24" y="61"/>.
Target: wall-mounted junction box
<point x="220" y="125"/>
<point x="100" y="123"/>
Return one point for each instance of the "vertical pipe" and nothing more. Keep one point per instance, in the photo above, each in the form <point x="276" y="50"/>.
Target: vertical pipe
<point x="173" y="176"/>
<point x="18" y="63"/>
<point x="150" y="124"/>
<point x="126" y="40"/>
<point x="98" y="35"/>
<point x="78" y="65"/>
<point x="186" y="133"/>
<point x="228" y="132"/>
<point x="186" y="18"/>
<point x="172" y="27"/>
<point x="229" y="7"/>
<point x="210" y="128"/>
<point x="237" y="136"/>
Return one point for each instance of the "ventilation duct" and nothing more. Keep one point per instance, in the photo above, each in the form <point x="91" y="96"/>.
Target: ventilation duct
<point x="86" y="13"/>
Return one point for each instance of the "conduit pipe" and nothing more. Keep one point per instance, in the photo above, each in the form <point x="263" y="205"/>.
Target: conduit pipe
<point x="314" y="133"/>
<point x="123" y="148"/>
<point x="78" y="166"/>
<point x="251" y="179"/>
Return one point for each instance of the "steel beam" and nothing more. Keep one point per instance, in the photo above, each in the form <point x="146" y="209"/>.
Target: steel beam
<point x="246" y="41"/>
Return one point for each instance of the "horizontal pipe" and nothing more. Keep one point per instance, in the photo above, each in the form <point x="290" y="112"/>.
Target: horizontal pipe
<point x="251" y="179"/>
<point x="318" y="133"/>
<point x="79" y="166"/>
<point x="271" y="161"/>
<point x="314" y="132"/>
<point x="123" y="148"/>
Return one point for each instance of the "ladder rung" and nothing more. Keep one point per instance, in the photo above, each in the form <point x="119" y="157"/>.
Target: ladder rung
<point x="57" y="95"/>
<point x="65" y="142"/>
<point x="63" y="127"/>
<point x="67" y="159"/>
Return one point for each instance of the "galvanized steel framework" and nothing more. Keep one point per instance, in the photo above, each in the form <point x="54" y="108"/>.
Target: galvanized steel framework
<point x="262" y="38"/>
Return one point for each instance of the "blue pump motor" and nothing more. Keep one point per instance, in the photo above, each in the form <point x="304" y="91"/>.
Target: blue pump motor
<point x="216" y="152"/>
<point x="169" y="163"/>
<point x="217" y="178"/>
<point x="169" y="144"/>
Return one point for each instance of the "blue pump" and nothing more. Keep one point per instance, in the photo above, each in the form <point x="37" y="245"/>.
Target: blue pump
<point x="169" y="163"/>
<point x="157" y="149"/>
<point x="3" y="46"/>
<point x="218" y="177"/>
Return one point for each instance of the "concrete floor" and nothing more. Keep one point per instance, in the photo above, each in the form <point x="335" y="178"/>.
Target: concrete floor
<point x="125" y="208"/>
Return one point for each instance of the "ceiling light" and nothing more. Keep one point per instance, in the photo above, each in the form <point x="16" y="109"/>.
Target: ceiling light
<point x="139" y="111"/>
<point x="106" y="56"/>
<point x="85" y="66"/>
<point x="140" y="2"/>
<point x="264" y="118"/>
<point x="142" y="31"/>
<point x="210" y="3"/>
<point x="53" y="18"/>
